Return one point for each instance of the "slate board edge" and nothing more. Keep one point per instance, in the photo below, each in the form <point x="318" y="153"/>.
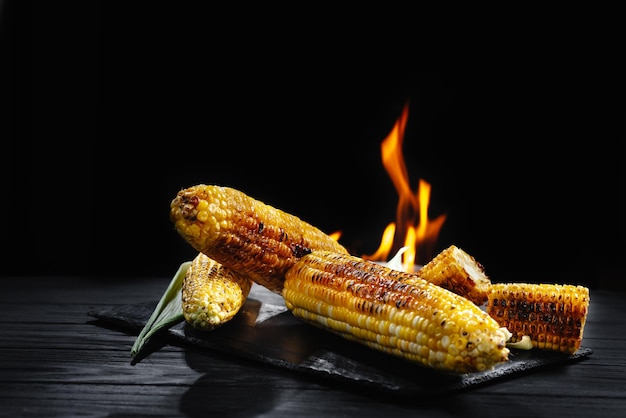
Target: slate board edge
<point x="178" y="334"/>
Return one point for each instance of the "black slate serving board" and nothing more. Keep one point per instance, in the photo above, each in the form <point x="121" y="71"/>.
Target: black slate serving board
<point x="264" y="330"/>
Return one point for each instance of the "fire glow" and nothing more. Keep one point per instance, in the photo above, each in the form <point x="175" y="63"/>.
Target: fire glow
<point x="415" y="230"/>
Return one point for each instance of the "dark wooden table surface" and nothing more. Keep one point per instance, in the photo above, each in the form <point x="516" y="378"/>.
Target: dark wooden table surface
<point x="56" y="360"/>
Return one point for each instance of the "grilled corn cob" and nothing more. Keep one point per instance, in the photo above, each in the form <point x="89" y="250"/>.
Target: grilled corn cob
<point x="244" y="234"/>
<point x="371" y="304"/>
<point x="211" y="293"/>
<point x="459" y="272"/>
<point x="552" y="315"/>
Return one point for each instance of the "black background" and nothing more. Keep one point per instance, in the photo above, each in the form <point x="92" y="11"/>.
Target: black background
<point x="111" y="110"/>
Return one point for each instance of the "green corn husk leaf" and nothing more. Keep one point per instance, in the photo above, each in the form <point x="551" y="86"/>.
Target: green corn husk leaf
<point x="168" y="312"/>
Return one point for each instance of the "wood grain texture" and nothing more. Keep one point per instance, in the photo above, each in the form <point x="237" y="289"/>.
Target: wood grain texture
<point x="55" y="362"/>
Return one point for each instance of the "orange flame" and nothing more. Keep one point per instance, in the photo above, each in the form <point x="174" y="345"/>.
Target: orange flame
<point x="336" y="235"/>
<point x="420" y="234"/>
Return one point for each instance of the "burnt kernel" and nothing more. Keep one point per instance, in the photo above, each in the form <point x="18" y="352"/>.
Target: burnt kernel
<point x="261" y="227"/>
<point x="300" y="251"/>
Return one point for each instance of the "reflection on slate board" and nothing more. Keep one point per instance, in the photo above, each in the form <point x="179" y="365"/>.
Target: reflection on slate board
<point x="264" y="330"/>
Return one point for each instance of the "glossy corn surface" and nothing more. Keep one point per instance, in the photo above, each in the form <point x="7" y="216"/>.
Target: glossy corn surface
<point x="212" y="294"/>
<point x="245" y="234"/>
<point x="368" y="303"/>
<point x="459" y="272"/>
<point x="552" y="315"/>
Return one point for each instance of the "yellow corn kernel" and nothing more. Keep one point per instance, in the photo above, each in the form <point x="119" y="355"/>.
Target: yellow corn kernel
<point x="212" y="294"/>
<point x="459" y="272"/>
<point x="244" y="234"/>
<point x="373" y="305"/>
<point x="552" y="315"/>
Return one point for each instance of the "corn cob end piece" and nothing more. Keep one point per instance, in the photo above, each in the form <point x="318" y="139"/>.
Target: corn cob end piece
<point x="212" y="294"/>
<point x="552" y="315"/>
<point x="459" y="272"/>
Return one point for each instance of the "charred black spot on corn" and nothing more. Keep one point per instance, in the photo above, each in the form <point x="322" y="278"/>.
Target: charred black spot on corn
<point x="299" y="250"/>
<point x="394" y="312"/>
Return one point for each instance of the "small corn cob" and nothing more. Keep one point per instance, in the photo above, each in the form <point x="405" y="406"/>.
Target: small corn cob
<point x="459" y="272"/>
<point x="244" y="234"/>
<point x="552" y="315"/>
<point x="212" y="294"/>
<point x="371" y="304"/>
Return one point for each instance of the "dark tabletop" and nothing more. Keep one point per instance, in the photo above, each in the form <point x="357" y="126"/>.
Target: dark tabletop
<point x="58" y="360"/>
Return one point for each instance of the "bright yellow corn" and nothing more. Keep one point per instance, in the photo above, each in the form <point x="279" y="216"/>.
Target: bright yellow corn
<point x="212" y="294"/>
<point x="552" y="315"/>
<point x="244" y="234"/>
<point x="459" y="272"/>
<point x="371" y="304"/>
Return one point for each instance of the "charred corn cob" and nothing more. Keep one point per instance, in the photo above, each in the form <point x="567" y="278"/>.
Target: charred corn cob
<point x="552" y="315"/>
<point x="212" y="294"/>
<point x="459" y="272"/>
<point x="369" y="303"/>
<point x="245" y="234"/>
